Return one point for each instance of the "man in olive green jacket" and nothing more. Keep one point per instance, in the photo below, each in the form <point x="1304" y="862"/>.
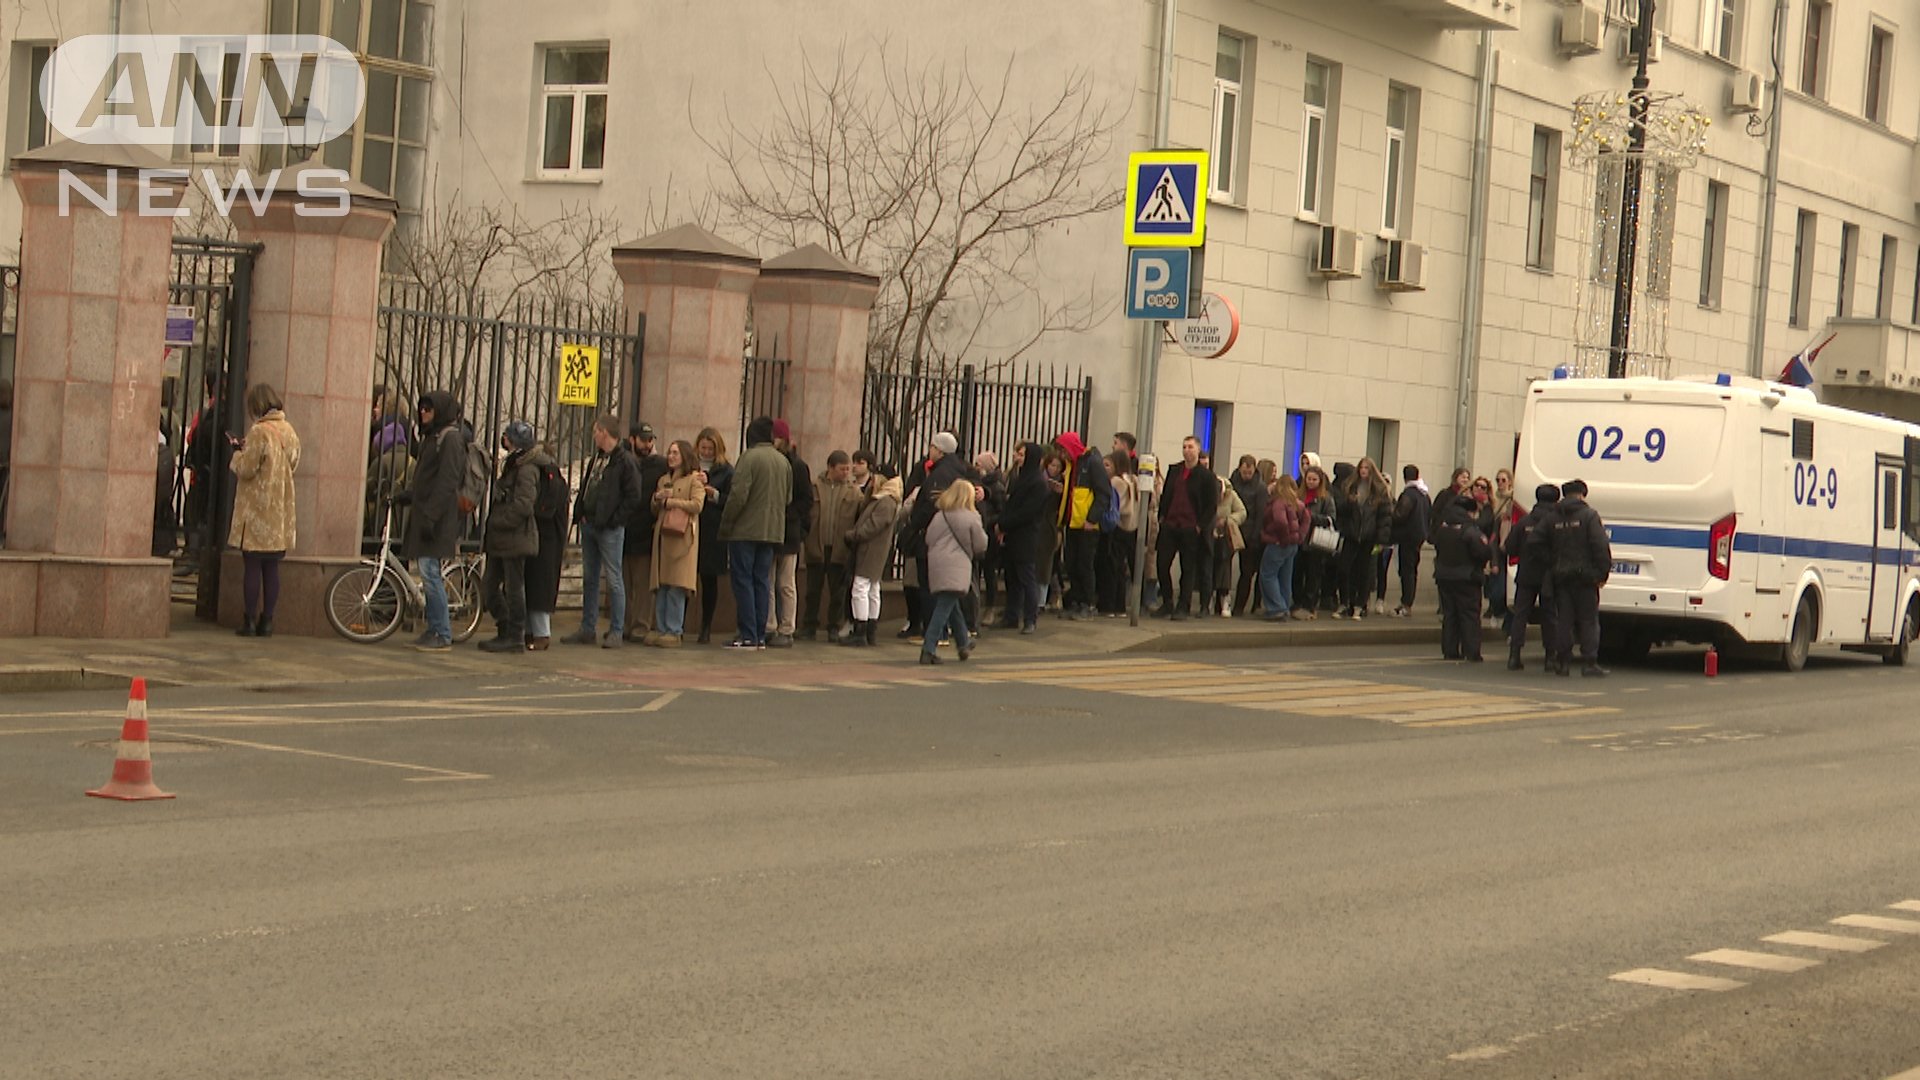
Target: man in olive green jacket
<point x="753" y="526"/>
<point x="836" y="506"/>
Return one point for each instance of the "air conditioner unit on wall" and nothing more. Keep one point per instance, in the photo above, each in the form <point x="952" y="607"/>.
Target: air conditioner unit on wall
<point x="1629" y="58"/>
<point x="1746" y="91"/>
<point x="1581" y="28"/>
<point x="1337" y="256"/>
<point x="1402" y="266"/>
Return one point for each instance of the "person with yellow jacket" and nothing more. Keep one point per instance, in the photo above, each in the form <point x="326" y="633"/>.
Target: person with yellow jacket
<point x="263" y="508"/>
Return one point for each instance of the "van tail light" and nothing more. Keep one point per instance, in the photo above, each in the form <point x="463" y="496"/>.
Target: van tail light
<point x="1720" y="548"/>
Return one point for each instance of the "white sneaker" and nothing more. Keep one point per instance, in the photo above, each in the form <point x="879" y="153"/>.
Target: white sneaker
<point x="1379" y="607"/>
<point x="1226" y="613"/>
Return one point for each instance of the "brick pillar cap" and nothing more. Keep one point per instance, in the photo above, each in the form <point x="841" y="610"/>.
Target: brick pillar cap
<point x="65" y="152"/>
<point x="687" y="241"/>
<point x="814" y="261"/>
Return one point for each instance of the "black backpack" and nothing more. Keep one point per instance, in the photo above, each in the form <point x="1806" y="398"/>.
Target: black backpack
<point x="551" y="503"/>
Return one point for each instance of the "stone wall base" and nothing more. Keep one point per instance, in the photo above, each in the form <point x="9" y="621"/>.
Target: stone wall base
<point x="303" y="592"/>
<point x="70" y="596"/>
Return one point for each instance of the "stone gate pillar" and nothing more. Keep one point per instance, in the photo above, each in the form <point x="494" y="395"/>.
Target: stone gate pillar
<point x="86" y="427"/>
<point x="316" y="295"/>
<point x="812" y="308"/>
<point x="693" y="288"/>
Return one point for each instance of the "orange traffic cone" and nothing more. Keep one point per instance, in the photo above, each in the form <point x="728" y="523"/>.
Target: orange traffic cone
<point x="133" y="763"/>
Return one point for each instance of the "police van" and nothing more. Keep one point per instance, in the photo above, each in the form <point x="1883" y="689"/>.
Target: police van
<point x="1742" y="513"/>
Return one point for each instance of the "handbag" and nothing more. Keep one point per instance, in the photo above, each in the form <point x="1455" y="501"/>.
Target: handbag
<point x="676" y="521"/>
<point x="1324" y="540"/>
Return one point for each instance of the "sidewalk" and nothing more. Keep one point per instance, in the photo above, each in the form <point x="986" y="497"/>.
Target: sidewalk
<point x="202" y="654"/>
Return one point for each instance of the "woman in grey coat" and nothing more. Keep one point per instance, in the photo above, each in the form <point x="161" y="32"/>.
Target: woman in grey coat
<point x="512" y="538"/>
<point x="955" y="538"/>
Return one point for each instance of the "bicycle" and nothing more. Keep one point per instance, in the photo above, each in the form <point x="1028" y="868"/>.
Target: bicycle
<point x="368" y="602"/>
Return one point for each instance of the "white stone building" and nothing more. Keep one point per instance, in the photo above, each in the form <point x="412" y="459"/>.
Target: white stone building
<point x="1362" y="115"/>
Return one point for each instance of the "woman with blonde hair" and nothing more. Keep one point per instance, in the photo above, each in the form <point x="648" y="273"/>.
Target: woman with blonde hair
<point x="1283" y="529"/>
<point x="677" y="506"/>
<point x="1365" y="523"/>
<point x="955" y="538"/>
<point x="263" y="523"/>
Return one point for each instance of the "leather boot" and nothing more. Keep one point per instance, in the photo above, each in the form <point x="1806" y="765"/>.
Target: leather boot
<point x="246" y="627"/>
<point x="1513" y="661"/>
<point x="873" y="632"/>
<point x="263" y="628"/>
<point x="856" y="635"/>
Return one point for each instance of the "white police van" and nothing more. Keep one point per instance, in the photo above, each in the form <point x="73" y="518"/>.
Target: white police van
<point x="1742" y="513"/>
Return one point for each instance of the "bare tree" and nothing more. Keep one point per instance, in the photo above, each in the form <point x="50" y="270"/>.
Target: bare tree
<point x="946" y="182"/>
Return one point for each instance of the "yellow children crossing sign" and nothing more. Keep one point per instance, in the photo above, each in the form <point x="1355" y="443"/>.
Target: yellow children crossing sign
<point x="579" y="374"/>
<point x="1167" y="198"/>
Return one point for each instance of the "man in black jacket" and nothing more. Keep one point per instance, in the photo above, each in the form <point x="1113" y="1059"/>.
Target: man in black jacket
<point x="435" y="525"/>
<point x="1412" y="520"/>
<point x="1582" y="560"/>
<point x="1532" y="589"/>
<point x="1460" y="554"/>
<point x="637" y="565"/>
<point x="1253" y="495"/>
<point x="786" y="562"/>
<point x="607" y="501"/>
<point x="1187" y="505"/>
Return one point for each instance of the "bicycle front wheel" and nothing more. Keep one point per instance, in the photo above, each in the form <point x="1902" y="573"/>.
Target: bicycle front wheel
<point x="463" y="600"/>
<point x="364" y="605"/>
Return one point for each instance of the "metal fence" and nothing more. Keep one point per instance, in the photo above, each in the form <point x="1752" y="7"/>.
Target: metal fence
<point x="763" y="390"/>
<point x="502" y="363"/>
<point x="1013" y="404"/>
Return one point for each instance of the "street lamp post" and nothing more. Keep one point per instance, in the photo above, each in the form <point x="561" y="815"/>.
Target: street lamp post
<point x="1630" y="199"/>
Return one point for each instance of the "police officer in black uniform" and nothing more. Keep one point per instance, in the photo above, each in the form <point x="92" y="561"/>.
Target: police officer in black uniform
<point x="1460" y="555"/>
<point x="1532" y="582"/>
<point x="1582" y="559"/>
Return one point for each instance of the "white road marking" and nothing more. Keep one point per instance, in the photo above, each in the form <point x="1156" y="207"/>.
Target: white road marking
<point x="661" y="702"/>
<point x="1906" y="905"/>
<point x="797" y="688"/>
<point x="433" y="773"/>
<point x="861" y="685"/>
<point x="1676" y="980"/>
<point x="1879" y="922"/>
<point x="1832" y="942"/>
<point x="1756" y="960"/>
<point x="1910" y="1074"/>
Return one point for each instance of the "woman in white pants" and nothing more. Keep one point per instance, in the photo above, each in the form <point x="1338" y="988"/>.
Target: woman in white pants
<point x="871" y="540"/>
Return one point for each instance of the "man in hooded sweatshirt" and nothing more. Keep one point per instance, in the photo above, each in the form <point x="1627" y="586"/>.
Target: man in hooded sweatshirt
<point x="1088" y="493"/>
<point x="753" y="526"/>
<point x="1460" y="554"/>
<point x="1412" y="520"/>
<point x="1528" y="542"/>
<point x="1582" y="561"/>
<point x="436" y="523"/>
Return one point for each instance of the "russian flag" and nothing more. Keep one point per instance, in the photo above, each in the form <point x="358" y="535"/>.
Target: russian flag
<point x="1799" y="370"/>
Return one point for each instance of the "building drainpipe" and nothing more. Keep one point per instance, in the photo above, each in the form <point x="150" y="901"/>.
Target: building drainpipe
<point x="1769" y="201"/>
<point x="1471" y="302"/>
<point x="1148" y="376"/>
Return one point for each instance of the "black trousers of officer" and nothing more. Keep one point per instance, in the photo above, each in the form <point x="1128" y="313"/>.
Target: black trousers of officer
<point x="1527" y="601"/>
<point x="1579" y="614"/>
<point x="1460" y="618"/>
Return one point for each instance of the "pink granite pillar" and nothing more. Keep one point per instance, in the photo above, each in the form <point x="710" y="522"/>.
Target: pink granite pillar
<point x="812" y="308"/>
<point x="316" y="295"/>
<point x="89" y="353"/>
<point x="692" y="287"/>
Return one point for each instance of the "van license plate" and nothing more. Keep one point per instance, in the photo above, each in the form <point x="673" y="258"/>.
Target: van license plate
<point x="1626" y="568"/>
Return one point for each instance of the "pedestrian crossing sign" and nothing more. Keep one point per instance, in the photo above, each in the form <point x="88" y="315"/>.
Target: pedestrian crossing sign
<point x="1167" y="198"/>
<point x="579" y="374"/>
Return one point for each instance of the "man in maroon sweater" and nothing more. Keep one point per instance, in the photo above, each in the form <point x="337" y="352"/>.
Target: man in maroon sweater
<point x="1191" y="496"/>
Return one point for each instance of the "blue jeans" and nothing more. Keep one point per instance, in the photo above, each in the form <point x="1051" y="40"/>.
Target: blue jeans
<point x="1276" y="578"/>
<point x="946" y="614"/>
<point x="670" y="610"/>
<point x="600" y="553"/>
<point x="434" y="583"/>
<point x="751" y="565"/>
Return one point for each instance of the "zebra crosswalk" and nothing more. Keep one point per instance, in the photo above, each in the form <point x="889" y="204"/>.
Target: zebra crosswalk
<point x="1273" y="689"/>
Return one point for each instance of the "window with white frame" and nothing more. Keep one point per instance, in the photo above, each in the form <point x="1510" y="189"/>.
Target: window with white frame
<point x="1543" y="198"/>
<point x="1805" y="232"/>
<point x="573" y="139"/>
<point x="1889" y="261"/>
<point x="1229" y="114"/>
<point x="28" y="127"/>
<point x="1879" y="74"/>
<point x="1721" y="33"/>
<point x="1713" y="244"/>
<point x="1396" y="203"/>
<point x="1317" y="139"/>
<point x="213" y="104"/>
<point x="1849" y="265"/>
<point x="1813" y="48"/>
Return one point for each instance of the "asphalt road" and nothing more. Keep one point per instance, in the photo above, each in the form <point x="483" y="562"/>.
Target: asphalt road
<point x="1353" y="863"/>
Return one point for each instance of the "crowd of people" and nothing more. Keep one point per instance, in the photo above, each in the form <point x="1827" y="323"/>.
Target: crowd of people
<point x="1056" y="529"/>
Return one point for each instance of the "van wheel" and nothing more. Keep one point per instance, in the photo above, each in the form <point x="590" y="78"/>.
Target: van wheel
<point x="1897" y="655"/>
<point x="1793" y="655"/>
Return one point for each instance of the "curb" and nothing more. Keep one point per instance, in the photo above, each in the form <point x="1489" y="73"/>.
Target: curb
<point x="42" y="680"/>
<point x="1220" y="640"/>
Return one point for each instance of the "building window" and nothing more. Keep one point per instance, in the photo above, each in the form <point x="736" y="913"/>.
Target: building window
<point x="393" y="40"/>
<point x="1805" y="231"/>
<point x="1849" y="264"/>
<point x="1213" y="426"/>
<point x="1403" y="106"/>
<point x="1813" y="50"/>
<point x="1713" y="244"/>
<point x="1383" y="446"/>
<point x="27" y="125"/>
<point x="1889" y="261"/>
<point x="1543" y="198"/>
<point x="1722" y="32"/>
<point x="1303" y="436"/>
<point x="1879" y="73"/>
<point x="1229" y="114"/>
<point x="574" y="112"/>
<point x="1915" y="320"/>
<point x="1318" y="137"/>
<point x="203" y="140"/>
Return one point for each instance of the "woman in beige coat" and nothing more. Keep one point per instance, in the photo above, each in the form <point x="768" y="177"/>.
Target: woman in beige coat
<point x="676" y="556"/>
<point x="263" y="505"/>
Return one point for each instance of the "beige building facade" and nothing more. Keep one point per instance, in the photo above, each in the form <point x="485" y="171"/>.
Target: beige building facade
<point x="1389" y="120"/>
